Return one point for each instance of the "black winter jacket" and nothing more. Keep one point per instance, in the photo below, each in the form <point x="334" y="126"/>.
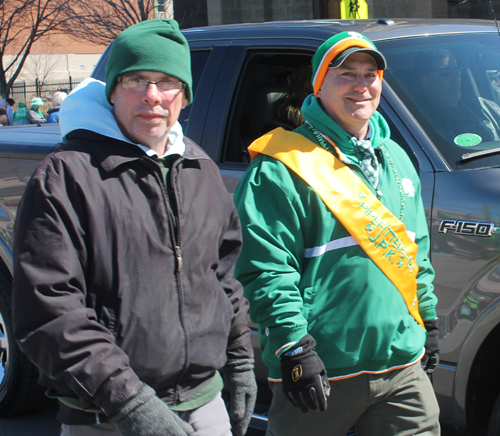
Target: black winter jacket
<point x="112" y="288"/>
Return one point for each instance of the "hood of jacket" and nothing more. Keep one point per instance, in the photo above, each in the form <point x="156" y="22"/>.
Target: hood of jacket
<point x="87" y="108"/>
<point x="314" y="114"/>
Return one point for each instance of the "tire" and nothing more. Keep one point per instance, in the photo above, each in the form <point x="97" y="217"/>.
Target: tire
<point x="494" y="424"/>
<point x="19" y="390"/>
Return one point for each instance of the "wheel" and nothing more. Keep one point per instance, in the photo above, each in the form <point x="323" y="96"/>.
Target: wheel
<point x="19" y="390"/>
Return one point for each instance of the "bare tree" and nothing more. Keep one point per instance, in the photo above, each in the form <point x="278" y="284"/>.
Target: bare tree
<point x="100" y="21"/>
<point x="42" y="63"/>
<point x="22" y="23"/>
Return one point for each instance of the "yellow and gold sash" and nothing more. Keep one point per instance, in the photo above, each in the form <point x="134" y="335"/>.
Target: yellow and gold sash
<point x="380" y="234"/>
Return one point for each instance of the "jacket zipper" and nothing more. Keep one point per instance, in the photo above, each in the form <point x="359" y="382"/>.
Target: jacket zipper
<point x="176" y="237"/>
<point x="178" y="253"/>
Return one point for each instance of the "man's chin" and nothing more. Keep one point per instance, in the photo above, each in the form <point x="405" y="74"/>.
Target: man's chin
<point x="147" y="136"/>
<point x="153" y="130"/>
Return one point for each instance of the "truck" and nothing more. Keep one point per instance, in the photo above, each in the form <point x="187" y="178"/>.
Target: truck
<point x="247" y="80"/>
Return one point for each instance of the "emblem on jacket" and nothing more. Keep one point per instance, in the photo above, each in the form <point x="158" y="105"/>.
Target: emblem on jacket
<point x="471" y="228"/>
<point x="408" y="187"/>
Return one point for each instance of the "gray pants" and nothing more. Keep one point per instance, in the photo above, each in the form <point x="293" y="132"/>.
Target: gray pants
<point x="400" y="402"/>
<point x="210" y="419"/>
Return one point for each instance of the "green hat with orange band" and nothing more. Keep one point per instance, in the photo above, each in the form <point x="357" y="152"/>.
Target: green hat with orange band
<point x="335" y="50"/>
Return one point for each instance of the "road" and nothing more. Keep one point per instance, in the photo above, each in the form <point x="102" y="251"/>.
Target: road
<point x="41" y="423"/>
<point x="44" y="423"/>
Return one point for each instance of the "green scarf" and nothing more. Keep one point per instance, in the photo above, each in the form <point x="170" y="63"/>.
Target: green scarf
<point x="38" y="111"/>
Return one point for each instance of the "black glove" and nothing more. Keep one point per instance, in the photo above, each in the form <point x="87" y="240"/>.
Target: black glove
<point x="147" y="415"/>
<point x="430" y="360"/>
<point x="239" y="381"/>
<point x="305" y="382"/>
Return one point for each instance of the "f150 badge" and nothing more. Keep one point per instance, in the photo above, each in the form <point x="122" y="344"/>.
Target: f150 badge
<point x="471" y="228"/>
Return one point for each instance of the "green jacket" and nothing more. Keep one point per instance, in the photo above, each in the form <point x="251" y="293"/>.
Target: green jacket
<point x="357" y="316"/>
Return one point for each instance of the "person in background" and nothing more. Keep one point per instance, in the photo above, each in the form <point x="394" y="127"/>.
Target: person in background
<point x="57" y="99"/>
<point x="495" y="84"/>
<point x="35" y="115"/>
<point x="443" y="103"/>
<point x="4" y="121"/>
<point x="335" y="261"/>
<point x="125" y="245"/>
<point x="10" y="110"/>
<point x="21" y="114"/>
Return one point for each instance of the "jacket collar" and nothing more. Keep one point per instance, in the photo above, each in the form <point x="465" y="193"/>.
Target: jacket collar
<point x="111" y="153"/>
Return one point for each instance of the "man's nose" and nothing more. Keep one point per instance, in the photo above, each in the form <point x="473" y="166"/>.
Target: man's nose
<point x="361" y="82"/>
<point x="152" y="94"/>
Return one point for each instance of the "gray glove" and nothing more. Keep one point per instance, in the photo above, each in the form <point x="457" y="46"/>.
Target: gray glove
<point x="239" y="381"/>
<point x="147" y="415"/>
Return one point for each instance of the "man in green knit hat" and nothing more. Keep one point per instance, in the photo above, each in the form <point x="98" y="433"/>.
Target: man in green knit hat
<point x="126" y="240"/>
<point x="335" y="261"/>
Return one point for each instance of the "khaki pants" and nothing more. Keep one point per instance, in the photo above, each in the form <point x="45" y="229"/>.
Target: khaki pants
<point x="400" y="402"/>
<point x="211" y="419"/>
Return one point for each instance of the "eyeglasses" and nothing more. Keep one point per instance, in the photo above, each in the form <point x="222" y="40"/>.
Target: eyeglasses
<point x="139" y="84"/>
<point x="448" y="71"/>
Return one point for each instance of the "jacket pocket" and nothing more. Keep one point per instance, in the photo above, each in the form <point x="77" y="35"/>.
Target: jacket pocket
<point x="210" y="326"/>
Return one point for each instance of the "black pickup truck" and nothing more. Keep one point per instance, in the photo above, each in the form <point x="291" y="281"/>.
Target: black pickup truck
<point x="246" y="77"/>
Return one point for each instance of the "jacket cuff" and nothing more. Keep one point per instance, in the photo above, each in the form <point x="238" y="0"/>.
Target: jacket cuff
<point x="238" y="365"/>
<point x="428" y="313"/>
<point x="284" y="339"/>
<point x="117" y="390"/>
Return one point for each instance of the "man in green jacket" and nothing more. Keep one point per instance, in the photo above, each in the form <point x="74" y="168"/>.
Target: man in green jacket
<point x="335" y="261"/>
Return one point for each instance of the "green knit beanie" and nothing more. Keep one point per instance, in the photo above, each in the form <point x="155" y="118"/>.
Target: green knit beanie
<point x="152" y="45"/>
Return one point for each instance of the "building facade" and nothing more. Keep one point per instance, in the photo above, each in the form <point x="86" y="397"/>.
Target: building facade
<point x="194" y="13"/>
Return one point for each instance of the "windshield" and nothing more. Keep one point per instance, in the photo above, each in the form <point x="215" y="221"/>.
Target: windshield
<point x="451" y="84"/>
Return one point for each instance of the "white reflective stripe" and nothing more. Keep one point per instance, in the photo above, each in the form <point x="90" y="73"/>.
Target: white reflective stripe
<point x="333" y="245"/>
<point x="348" y="241"/>
<point x="346" y="376"/>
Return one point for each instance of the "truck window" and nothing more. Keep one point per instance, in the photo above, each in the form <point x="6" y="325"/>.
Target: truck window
<point x="451" y="85"/>
<point x="199" y="60"/>
<point x="268" y="95"/>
